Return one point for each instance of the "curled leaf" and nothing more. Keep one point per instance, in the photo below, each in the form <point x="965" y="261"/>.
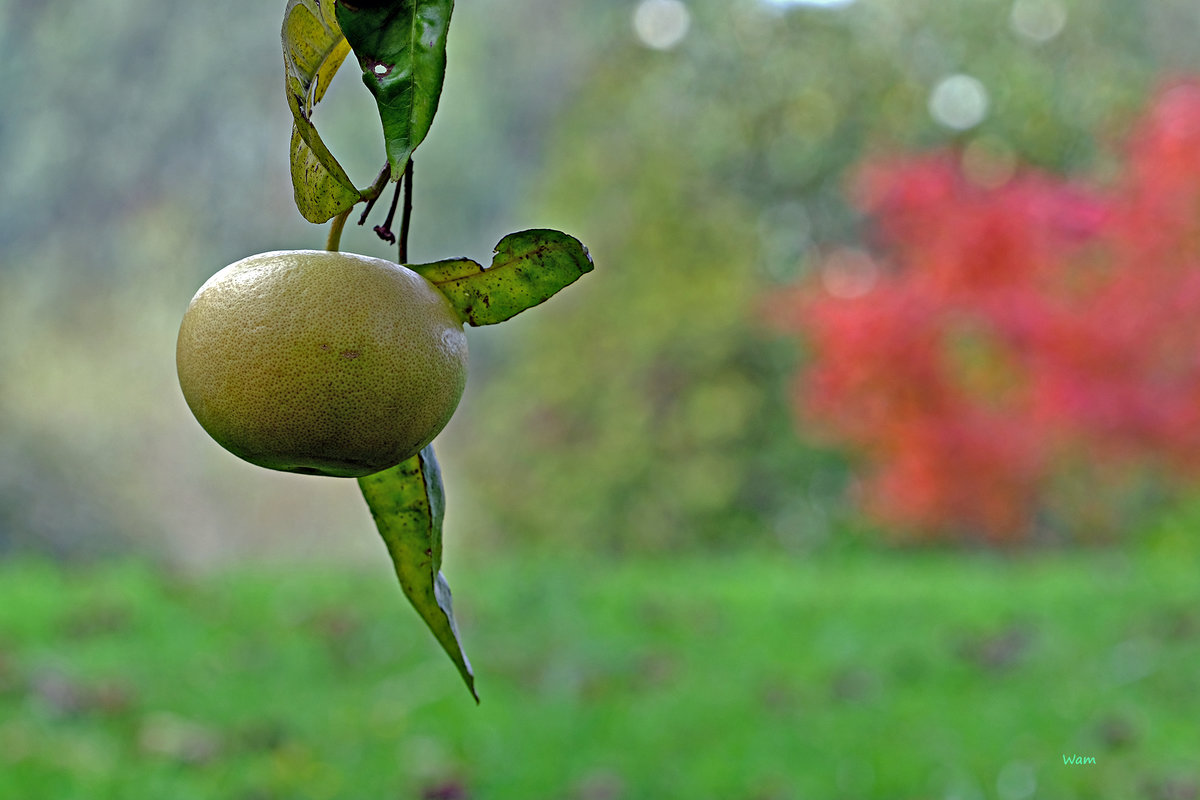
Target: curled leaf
<point x="313" y="49"/>
<point x="528" y="268"/>
<point x="408" y="505"/>
<point x="401" y="47"/>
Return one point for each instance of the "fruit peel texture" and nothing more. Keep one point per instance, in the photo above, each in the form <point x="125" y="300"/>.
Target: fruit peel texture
<point x="321" y="362"/>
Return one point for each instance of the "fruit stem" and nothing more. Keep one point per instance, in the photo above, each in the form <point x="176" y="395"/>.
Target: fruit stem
<point x="376" y="189"/>
<point x="384" y="231"/>
<point x="335" y="231"/>
<point x="370" y="194"/>
<point x="406" y="214"/>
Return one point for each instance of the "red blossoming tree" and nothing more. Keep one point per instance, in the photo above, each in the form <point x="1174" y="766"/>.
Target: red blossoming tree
<point x="1020" y="356"/>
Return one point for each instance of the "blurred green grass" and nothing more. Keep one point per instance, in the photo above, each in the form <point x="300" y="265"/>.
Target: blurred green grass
<point x="923" y="674"/>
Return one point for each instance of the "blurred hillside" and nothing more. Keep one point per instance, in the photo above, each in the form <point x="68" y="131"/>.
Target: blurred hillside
<point x="698" y="150"/>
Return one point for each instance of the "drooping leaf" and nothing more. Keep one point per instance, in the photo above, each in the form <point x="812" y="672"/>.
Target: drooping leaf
<point x="528" y="268"/>
<point x="401" y="47"/>
<point x="408" y="505"/>
<point x="313" y="49"/>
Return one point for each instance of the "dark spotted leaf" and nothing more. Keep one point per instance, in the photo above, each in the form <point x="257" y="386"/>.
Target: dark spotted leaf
<point x="313" y="49"/>
<point x="528" y="268"/>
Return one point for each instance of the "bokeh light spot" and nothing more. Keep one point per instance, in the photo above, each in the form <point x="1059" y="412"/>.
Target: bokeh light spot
<point x="849" y="273"/>
<point x="784" y="235"/>
<point x="661" y="24"/>
<point x="1038" y="20"/>
<point x="959" y="102"/>
<point x="989" y="162"/>
<point x="1016" y="781"/>
<point x="818" y="3"/>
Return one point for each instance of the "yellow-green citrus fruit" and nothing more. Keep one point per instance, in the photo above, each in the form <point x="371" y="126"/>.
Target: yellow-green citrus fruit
<point x="322" y="363"/>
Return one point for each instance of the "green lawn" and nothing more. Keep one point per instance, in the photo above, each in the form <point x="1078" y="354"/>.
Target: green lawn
<point x="745" y="678"/>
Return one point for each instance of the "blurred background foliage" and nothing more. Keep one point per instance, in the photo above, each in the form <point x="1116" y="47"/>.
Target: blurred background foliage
<point x="648" y="410"/>
<point x="609" y="442"/>
<point x="700" y="151"/>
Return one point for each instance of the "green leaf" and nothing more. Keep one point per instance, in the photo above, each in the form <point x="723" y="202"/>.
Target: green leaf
<point x="408" y="505"/>
<point x="401" y="47"/>
<point x="313" y="49"/>
<point x="528" y="268"/>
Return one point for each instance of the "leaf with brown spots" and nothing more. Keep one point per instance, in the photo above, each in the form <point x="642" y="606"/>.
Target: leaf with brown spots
<point x="313" y="49"/>
<point x="527" y="269"/>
